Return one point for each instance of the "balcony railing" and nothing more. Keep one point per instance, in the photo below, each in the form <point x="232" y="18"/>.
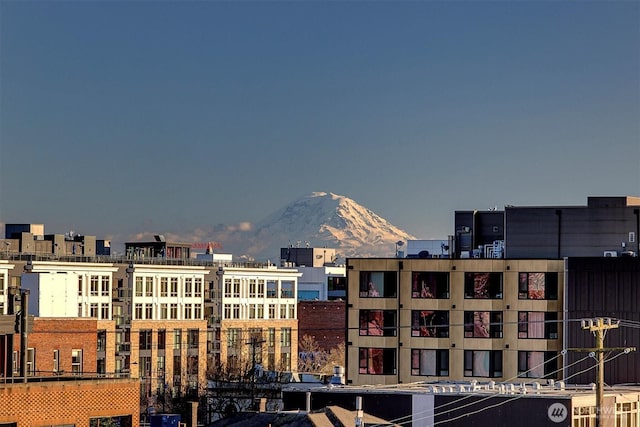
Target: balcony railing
<point x="115" y="259"/>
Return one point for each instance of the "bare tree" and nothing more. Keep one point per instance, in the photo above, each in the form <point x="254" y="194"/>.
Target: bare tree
<point x="336" y="357"/>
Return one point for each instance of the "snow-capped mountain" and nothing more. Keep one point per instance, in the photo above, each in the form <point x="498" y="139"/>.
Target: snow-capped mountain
<point x="325" y="220"/>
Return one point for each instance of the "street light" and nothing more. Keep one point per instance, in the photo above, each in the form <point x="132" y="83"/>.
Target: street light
<point x="399" y="243"/>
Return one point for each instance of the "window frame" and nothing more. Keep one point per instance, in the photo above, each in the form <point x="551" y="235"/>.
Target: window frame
<point x="428" y="328"/>
<point x="470" y="288"/>
<point x="494" y="363"/>
<point x="378" y="284"/>
<point x="430" y="285"/>
<point x="441" y="365"/>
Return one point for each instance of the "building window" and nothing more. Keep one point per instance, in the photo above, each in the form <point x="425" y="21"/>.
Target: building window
<point x="483" y="363"/>
<point x="286" y="290"/>
<point x="429" y="323"/>
<point x="197" y="312"/>
<point x="188" y="311"/>
<point x="292" y="311"/>
<point x="188" y="287"/>
<point x="148" y="285"/>
<point x="260" y="288"/>
<point x="285" y="337"/>
<point x="271" y="337"/>
<point x="145" y="339"/>
<point x="538" y="324"/>
<point x="193" y="338"/>
<point x="56" y="361"/>
<point x="138" y="312"/>
<point x="138" y="286"/>
<point x="252" y="311"/>
<point x="427" y="284"/>
<point x="144" y="366"/>
<point x="227" y="288"/>
<point x="160" y="365"/>
<point x="197" y="287"/>
<point x="483" y="324"/>
<point x="272" y="289"/>
<point x="95" y="283"/>
<point x="584" y="416"/>
<point x="80" y="311"/>
<point x="483" y="285"/>
<point x="173" y="311"/>
<point x="102" y="340"/>
<point x="236" y="288"/>
<point x="177" y="339"/>
<point x="537" y="364"/>
<point x="76" y="361"/>
<point x="433" y="363"/>
<point x="272" y="311"/>
<point x="31" y="362"/>
<point x="285" y="361"/>
<point x="227" y="311"/>
<point x="177" y="370"/>
<point x="232" y="337"/>
<point x="283" y="311"/>
<point x="174" y="287"/>
<point x="378" y="322"/>
<point x="93" y="310"/>
<point x="80" y="286"/>
<point x="260" y="314"/>
<point x="252" y="288"/>
<point x="163" y="311"/>
<point x="162" y="339"/>
<point x="104" y="315"/>
<point x="105" y="286"/>
<point x="627" y="413"/>
<point x="336" y="285"/>
<point x="377" y="361"/>
<point x="538" y="286"/>
<point x="235" y="311"/>
<point x="148" y="311"/>
<point x="164" y="286"/>
<point x="378" y="284"/>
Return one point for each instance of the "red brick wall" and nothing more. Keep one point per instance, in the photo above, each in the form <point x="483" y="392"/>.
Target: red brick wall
<point x="69" y="402"/>
<point x="323" y="320"/>
<point x="65" y="335"/>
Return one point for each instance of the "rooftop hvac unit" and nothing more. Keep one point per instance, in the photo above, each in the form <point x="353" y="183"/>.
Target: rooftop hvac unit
<point x="610" y="254"/>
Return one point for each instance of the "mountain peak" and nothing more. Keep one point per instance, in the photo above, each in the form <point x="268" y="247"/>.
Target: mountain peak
<point x="324" y="219"/>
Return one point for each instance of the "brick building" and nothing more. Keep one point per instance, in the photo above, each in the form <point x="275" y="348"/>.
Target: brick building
<point x="62" y="346"/>
<point x="76" y="402"/>
<point x="325" y="321"/>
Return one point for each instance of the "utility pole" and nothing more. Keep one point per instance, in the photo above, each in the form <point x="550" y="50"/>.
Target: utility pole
<point x="359" y="412"/>
<point x="599" y="327"/>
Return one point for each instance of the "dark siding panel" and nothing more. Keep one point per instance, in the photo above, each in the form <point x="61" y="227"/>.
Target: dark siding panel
<point x="604" y="287"/>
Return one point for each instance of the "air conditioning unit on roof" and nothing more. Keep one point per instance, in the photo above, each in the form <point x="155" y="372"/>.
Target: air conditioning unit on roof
<point x="610" y="254"/>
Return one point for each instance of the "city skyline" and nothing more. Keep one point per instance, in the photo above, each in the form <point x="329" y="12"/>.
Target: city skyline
<point x="167" y="117"/>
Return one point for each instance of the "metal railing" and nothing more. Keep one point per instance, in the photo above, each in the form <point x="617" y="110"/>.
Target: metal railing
<point x="120" y="259"/>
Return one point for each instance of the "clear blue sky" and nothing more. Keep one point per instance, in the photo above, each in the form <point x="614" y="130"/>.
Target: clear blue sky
<point x="130" y="116"/>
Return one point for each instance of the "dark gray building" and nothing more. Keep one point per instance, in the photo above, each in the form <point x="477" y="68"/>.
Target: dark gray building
<point x="606" y="226"/>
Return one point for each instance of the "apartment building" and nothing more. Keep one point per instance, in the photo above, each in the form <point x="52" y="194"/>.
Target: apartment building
<point x="160" y="329"/>
<point x="168" y="322"/>
<point x="257" y="314"/>
<point x="414" y="320"/>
